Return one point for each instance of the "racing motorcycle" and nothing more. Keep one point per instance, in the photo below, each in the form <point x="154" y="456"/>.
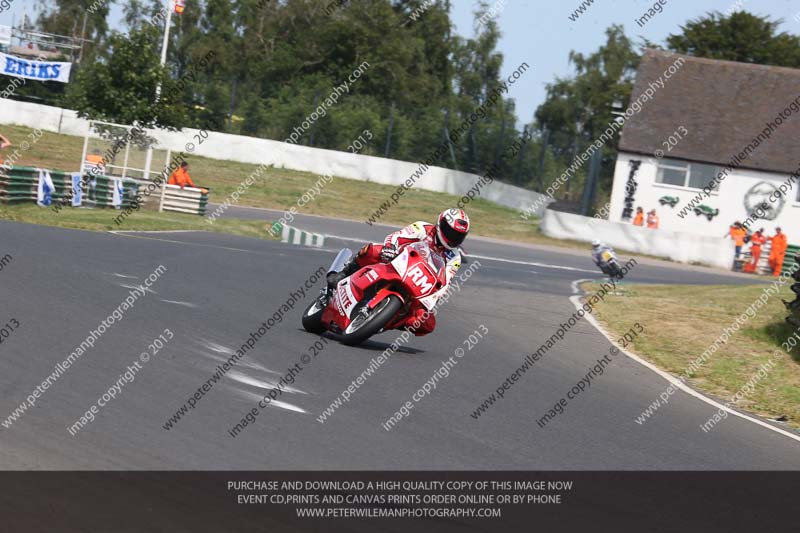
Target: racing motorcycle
<point x="610" y="265"/>
<point x="378" y="297"/>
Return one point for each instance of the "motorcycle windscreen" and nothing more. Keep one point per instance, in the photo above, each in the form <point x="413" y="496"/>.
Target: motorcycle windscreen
<point x="433" y="260"/>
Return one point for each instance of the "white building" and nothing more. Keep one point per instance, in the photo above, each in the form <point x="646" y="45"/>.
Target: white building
<point x="733" y="128"/>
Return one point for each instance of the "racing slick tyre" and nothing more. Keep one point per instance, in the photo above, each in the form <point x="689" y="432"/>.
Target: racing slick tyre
<point x="312" y="316"/>
<point x="367" y="322"/>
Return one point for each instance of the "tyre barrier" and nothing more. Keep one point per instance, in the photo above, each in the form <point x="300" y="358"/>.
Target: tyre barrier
<point x="791" y="251"/>
<point x="19" y="185"/>
<point x="794" y="306"/>
<point x="191" y="200"/>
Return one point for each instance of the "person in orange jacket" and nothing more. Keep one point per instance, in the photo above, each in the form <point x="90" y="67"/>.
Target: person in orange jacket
<point x="181" y="177"/>
<point x="756" y="241"/>
<point x="737" y="233"/>
<point x="652" y="219"/>
<point x="638" y="220"/>
<point x="778" y="251"/>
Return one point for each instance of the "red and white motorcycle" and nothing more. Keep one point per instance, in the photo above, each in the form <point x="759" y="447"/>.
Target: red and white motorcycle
<point x="377" y="297"/>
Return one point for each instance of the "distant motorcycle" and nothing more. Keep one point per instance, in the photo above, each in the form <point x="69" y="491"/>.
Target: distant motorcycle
<point x="377" y="297"/>
<point x="609" y="264"/>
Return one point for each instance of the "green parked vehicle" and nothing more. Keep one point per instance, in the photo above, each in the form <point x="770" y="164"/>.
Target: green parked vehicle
<point x="671" y="201"/>
<point x="708" y="212"/>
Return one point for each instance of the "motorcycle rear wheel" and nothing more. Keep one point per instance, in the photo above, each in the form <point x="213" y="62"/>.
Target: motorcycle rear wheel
<point x="312" y="316"/>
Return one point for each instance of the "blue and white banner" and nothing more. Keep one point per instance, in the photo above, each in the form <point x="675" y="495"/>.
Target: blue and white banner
<point x="117" y="193"/>
<point x="44" y="192"/>
<point x="77" y="190"/>
<point x="34" y="70"/>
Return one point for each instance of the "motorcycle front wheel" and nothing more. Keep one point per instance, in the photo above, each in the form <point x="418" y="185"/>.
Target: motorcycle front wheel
<point x="367" y="322"/>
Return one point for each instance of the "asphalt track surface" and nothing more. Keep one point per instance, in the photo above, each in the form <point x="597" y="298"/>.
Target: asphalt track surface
<point x="218" y="288"/>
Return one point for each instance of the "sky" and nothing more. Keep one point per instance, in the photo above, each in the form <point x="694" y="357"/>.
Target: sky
<point x="540" y="33"/>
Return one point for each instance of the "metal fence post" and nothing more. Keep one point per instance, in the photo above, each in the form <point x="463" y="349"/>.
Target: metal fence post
<point x="794" y="307"/>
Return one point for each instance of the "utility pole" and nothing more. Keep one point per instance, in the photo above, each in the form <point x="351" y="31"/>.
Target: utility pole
<point x="165" y="43"/>
<point x="83" y="38"/>
<point x="148" y="161"/>
<point x="499" y="146"/>
<point x="314" y="125"/>
<point x="542" y="155"/>
<point x="521" y="158"/>
<point x="592" y="177"/>
<point x="447" y="138"/>
<point x="389" y="132"/>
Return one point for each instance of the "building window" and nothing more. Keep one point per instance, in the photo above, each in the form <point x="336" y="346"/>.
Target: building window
<point x="683" y="174"/>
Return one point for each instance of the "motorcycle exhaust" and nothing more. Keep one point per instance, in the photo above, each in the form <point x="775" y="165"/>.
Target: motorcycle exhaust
<point x="341" y="259"/>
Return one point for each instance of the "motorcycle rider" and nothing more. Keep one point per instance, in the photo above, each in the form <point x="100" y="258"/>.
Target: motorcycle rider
<point x="444" y="238"/>
<point x="597" y="253"/>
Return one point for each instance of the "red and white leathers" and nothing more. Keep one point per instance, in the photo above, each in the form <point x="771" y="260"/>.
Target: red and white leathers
<point x="370" y="254"/>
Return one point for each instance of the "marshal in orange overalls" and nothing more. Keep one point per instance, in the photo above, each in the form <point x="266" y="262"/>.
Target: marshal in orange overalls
<point x="778" y="252"/>
<point x="652" y="220"/>
<point x="181" y="177"/>
<point x="756" y="240"/>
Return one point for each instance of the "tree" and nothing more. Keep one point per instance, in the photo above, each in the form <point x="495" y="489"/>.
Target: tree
<point x="741" y="36"/>
<point x="274" y="62"/>
<point x="122" y="87"/>
<point x="577" y="110"/>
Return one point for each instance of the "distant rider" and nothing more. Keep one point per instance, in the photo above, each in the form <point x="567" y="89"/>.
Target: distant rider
<point x="597" y="253"/>
<point x="444" y="238"/>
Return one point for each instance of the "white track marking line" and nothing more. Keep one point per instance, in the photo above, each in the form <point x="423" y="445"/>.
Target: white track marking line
<point x="576" y="301"/>
<point x="344" y="238"/>
<point x="529" y="263"/>
<point x="274" y="403"/>
<point x="324" y="217"/>
<point x="159" y="231"/>
<point x="253" y="382"/>
<point x="134" y="287"/>
<point x="120" y="275"/>
<point x="176" y="302"/>
<point x="189" y="243"/>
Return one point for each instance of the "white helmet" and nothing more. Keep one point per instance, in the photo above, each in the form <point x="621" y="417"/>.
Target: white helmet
<point x="452" y="228"/>
<point x="596" y="243"/>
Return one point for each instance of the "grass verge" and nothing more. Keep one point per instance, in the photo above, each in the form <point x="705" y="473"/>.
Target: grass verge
<point x="103" y="220"/>
<point x="681" y="322"/>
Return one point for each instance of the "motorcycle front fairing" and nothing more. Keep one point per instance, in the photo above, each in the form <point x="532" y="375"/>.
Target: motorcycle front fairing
<point x="427" y="274"/>
<point x="352" y="290"/>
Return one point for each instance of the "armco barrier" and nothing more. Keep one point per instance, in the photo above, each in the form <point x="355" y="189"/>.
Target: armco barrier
<point x="284" y="155"/>
<point x="680" y="247"/>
